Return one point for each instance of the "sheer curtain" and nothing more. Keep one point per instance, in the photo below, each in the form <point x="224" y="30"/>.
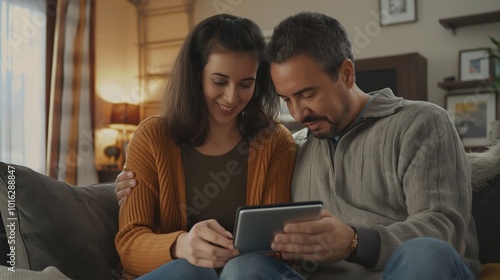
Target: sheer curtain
<point x="22" y="83"/>
<point x="70" y="149"/>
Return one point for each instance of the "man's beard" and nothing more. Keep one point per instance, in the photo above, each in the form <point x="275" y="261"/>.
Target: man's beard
<point x="331" y="133"/>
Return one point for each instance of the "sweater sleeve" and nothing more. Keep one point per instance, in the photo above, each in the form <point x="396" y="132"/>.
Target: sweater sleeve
<point x="435" y="178"/>
<point x="140" y="246"/>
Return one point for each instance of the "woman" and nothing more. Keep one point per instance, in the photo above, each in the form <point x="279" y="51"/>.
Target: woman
<point x="216" y="147"/>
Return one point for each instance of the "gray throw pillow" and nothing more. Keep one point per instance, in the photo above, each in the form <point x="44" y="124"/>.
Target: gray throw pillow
<point x="56" y="224"/>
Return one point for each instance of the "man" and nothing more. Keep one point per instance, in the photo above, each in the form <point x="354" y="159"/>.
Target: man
<point x="388" y="170"/>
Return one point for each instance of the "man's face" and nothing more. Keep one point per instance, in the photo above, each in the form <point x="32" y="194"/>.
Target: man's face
<point x="312" y="97"/>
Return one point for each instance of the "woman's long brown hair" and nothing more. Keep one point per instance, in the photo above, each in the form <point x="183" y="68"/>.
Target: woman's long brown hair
<point x="185" y="111"/>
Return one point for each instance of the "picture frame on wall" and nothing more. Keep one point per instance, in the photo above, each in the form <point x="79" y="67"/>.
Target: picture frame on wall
<point x="473" y="115"/>
<point x="397" y="11"/>
<point x="474" y="64"/>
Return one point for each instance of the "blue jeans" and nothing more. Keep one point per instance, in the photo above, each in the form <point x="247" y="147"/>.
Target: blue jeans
<point x="419" y="258"/>
<point x="250" y="266"/>
<point x="426" y="258"/>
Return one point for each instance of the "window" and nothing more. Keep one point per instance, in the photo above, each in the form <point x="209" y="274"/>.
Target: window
<point x="22" y="83"/>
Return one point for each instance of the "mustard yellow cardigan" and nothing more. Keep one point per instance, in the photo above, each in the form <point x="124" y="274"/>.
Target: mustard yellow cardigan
<point x="155" y="212"/>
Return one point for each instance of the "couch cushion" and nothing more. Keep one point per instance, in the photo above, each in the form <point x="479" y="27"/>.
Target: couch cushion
<point x="49" y="273"/>
<point x="485" y="181"/>
<point x="486" y="213"/>
<point x="56" y="224"/>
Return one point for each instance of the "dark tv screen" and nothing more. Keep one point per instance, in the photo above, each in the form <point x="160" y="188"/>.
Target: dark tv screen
<point x="373" y="80"/>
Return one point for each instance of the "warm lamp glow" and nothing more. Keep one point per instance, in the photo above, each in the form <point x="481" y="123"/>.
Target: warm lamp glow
<point x="124" y="116"/>
<point x="117" y="93"/>
<point x="112" y="93"/>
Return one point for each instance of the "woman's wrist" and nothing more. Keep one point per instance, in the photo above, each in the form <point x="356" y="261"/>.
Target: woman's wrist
<point x="175" y="249"/>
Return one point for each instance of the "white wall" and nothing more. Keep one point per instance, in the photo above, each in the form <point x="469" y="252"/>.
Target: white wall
<point x="426" y="36"/>
<point x="116" y="50"/>
<point x="116" y="64"/>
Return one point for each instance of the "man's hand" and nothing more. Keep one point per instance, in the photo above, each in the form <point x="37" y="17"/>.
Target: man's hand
<point x="123" y="185"/>
<point x="207" y="244"/>
<point x="324" y="240"/>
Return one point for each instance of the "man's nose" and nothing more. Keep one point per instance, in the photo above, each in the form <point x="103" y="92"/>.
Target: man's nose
<point x="296" y="110"/>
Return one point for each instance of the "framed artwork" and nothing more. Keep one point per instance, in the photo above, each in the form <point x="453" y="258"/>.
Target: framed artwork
<point x="473" y="115"/>
<point x="474" y="64"/>
<point x="397" y="11"/>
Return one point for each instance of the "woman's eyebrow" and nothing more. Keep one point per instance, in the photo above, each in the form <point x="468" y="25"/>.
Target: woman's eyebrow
<point x="227" y="77"/>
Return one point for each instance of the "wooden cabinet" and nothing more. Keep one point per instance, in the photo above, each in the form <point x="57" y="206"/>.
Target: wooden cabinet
<point x="405" y="74"/>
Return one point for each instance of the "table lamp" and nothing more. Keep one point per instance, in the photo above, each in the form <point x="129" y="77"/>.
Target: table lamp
<point x="124" y="118"/>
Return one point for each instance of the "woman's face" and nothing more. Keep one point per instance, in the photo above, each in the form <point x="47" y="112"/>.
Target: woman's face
<point x="228" y="85"/>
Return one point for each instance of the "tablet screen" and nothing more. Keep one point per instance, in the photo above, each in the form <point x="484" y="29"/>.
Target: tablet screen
<point x="255" y="226"/>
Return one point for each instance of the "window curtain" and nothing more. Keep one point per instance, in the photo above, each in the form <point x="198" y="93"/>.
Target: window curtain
<point x="22" y="83"/>
<point x="70" y="137"/>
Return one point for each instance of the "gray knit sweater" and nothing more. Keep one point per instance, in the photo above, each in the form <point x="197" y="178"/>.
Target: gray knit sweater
<point x="402" y="172"/>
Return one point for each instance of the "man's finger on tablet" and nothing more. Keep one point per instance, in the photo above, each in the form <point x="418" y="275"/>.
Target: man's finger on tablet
<point x="308" y="227"/>
<point x="297" y="238"/>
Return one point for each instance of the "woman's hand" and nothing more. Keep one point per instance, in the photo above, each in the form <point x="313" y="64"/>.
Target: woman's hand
<point x="207" y="244"/>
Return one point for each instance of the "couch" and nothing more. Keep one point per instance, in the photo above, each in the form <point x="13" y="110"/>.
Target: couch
<point x="67" y="232"/>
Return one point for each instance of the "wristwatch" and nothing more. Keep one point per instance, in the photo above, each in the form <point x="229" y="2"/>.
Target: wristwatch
<point x="354" y="245"/>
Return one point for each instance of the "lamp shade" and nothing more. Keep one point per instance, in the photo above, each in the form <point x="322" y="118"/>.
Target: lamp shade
<point x="124" y="115"/>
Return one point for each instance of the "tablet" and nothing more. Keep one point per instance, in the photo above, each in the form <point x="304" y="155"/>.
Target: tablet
<point x="256" y="226"/>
